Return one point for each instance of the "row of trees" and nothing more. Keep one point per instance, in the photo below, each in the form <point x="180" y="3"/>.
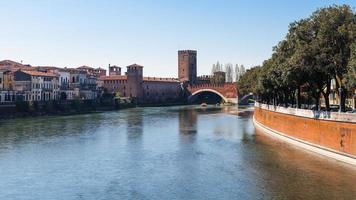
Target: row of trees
<point x="231" y="74"/>
<point x="316" y="51"/>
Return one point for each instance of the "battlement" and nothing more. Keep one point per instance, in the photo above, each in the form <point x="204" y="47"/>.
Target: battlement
<point x="160" y="79"/>
<point x="135" y="65"/>
<point x="187" y="52"/>
<point x="114" y="70"/>
<point x="204" y="77"/>
<point x="210" y="85"/>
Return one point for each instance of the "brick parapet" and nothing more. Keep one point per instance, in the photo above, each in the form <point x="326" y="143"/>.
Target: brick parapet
<point x="335" y="135"/>
<point x="228" y="90"/>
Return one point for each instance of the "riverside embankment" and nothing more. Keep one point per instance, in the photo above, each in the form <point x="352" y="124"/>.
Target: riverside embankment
<point x="329" y="133"/>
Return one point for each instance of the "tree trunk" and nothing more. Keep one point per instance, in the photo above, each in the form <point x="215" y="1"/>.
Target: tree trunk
<point x="342" y="96"/>
<point x="327" y="102"/>
<point x="326" y="95"/>
<point x="317" y="101"/>
<point x="298" y="98"/>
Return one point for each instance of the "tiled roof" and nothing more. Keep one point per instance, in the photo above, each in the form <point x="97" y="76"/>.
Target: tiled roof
<point x="37" y="73"/>
<point x="10" y="62"/>
<point x="113" y="77"/>
<point x="85" y="67"/>
<point x="99" y="68"/>
<point x="46" y="67"/>
<point x="73" y="70"/>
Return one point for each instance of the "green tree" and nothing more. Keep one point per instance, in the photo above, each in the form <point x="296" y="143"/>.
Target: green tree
<point x="315" y="51"/>
<point x="248" y="82"/>
<point x="350" y="78"/>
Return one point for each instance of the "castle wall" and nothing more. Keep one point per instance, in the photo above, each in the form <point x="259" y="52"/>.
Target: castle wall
<point x="157" y="91"/>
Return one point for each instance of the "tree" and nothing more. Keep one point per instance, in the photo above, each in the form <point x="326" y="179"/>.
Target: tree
<point x="216" y="68"/>
<point x="242" y="70"/>
<point x="229" y="72"/>
<point x="218" y="75"/>
<point x="213" y="69"/>
<point x="335" y="29"/>
<point x="237" y="72"/>
<point x="350" y="78"/>
<point x="249" y="81"/>
<point x="315" y="51"/>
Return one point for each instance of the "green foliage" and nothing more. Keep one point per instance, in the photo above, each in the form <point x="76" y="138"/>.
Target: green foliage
<point x="350" y="78"/>
<point x="249" y="81"/>
<point x="315" y="51"/>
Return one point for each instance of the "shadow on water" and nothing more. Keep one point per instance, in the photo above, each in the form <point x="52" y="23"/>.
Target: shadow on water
<point x="287" y="172"/>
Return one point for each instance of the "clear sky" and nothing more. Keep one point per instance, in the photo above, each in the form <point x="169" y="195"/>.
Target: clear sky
<point x="71" y="33"/>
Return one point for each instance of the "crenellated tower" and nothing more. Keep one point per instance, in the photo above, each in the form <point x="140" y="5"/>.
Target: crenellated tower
<point x="187" y="66"/>
<point x="114" y="70"/>
<point x="134" y="81"/>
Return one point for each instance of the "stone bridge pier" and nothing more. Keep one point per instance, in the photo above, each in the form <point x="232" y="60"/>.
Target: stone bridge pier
<point x="227" y="91"/>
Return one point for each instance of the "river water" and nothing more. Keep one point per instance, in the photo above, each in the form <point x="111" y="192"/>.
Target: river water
<point x="183" y="152"/>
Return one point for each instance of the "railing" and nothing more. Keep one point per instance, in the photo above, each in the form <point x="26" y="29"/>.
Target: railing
<point x="323" y="115"/>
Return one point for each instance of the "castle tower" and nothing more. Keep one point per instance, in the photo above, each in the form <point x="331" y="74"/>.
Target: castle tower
<point x="114" y="70"/>
<point x="187" y="66"/>
<point x="134" y="81"/>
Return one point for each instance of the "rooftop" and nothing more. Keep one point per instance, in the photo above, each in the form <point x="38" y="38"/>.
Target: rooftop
<point x="84" y="67"/>
<point x="37" y="73"/>
<point x="10" y="62"/>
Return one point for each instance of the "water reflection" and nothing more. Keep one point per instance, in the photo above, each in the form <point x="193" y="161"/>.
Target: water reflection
<point x="291" y="171"/>
<point x="161" y="153"/>
<point x="134" y="127"/>
<point x="188" y="121"/>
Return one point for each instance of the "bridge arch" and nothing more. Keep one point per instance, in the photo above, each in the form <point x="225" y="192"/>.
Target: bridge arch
<point x="200" y="91"/>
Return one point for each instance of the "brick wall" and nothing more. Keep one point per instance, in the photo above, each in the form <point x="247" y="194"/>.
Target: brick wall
<point x="336" y="135"/>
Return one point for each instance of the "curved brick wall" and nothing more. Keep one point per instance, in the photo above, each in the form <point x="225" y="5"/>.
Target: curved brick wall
<point x="332" y="134"/>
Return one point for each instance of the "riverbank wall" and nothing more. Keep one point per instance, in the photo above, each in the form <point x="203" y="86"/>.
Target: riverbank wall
<point x="66" y="107"/>
<point x="329" y="133"/>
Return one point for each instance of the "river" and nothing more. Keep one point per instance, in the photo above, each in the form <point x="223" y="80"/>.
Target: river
<point x="183" y="152"/>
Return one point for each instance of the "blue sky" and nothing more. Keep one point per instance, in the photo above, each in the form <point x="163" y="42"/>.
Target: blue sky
<point x="70" y="33"/>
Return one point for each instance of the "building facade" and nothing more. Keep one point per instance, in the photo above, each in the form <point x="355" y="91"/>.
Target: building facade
<point x="20" y="82"/>
<point x="36" y="86"/>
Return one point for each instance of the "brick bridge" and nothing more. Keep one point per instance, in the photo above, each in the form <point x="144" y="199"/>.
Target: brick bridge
<point x="227" y="91"/>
